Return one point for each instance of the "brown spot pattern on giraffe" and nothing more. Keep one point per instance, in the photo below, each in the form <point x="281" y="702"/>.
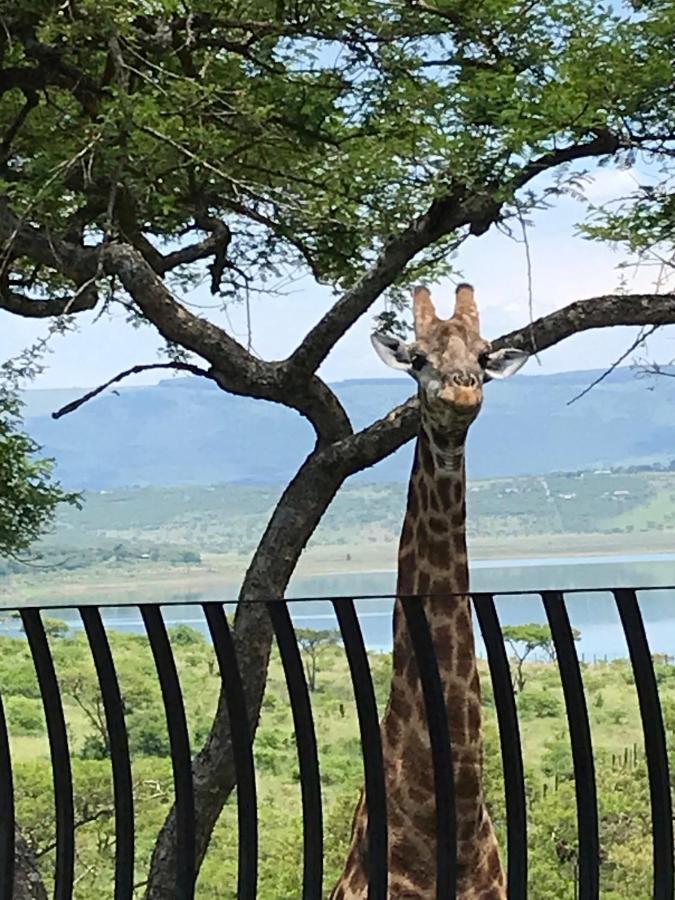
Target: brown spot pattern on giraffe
<point x="437" y="525"/>
<point x="444" y="489"/>
<point x="423" y="582"/>
<point x="426" y="461"/>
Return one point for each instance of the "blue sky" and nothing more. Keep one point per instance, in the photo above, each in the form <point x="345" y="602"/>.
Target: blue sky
<point x="565" y="268"/>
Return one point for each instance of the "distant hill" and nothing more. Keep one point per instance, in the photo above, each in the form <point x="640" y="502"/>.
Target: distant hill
<point x="187" y="431"/>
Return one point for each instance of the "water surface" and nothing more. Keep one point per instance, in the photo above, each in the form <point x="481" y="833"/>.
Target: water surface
<point x="594" y="614"/>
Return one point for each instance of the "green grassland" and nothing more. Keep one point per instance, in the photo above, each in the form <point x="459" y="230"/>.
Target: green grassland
<point x="191" y="538"/>
<point x="623" y="791"/>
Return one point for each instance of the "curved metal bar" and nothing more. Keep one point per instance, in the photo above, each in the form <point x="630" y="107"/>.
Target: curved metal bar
<point x="179" y="742"/>
<point x="580" y="739"/>
<point x="7" y="816"/>
<point x="371" y="746"/>
<point x="119" y="751"/>
<point x="509" y="739"/>
<point x="247" y="807"/>
<point x="441" y="751"/>
<point x="655" y="742"/>
<point x="308" y="758"/>
<point x="58" y="749"/>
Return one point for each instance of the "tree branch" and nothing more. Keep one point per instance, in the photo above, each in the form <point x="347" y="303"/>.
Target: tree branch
<point x="20" y="305"/>
<point x="86" y="819"/>
<point x="134" y="370"/>
<point x="596" y="312"/>
<point x="232" y="366"/>
<point x="75" y="262"/>
<point x="460" y="207"/>
<point x="640" y="339"/>
<point x="604" y="143"/>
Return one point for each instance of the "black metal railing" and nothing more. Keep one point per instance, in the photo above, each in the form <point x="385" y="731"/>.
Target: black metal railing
<point x="554" y="605"/>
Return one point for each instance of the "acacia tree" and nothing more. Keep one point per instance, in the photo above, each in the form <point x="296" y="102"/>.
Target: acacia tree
<point x="151" y="145"/>
<point x="313" y="642"/>
<point x="526" y="639"/>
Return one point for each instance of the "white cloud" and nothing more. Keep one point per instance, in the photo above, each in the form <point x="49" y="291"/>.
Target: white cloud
<point x="611" y="184"/>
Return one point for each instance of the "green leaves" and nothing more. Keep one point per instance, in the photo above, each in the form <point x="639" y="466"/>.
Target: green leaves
<point x="29" y="495"/>
<point x="315" y="132"/>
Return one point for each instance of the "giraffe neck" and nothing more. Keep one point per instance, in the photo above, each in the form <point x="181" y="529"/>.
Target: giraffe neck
<point x="433" y="561"/>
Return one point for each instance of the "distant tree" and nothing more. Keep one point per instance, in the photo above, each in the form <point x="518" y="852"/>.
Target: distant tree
<point x="525" y="640"/>
<point x="191" y="557"/>
<point x="312" y="644"/>
<point x="185" y="636"/>
<point x="55" y="628"/>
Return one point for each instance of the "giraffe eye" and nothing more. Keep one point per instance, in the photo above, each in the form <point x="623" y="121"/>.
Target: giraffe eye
<point x="483" y="359"/>
<point x="418" y="361"/>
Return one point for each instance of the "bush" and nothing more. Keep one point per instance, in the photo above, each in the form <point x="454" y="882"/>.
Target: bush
<point x="539" y="704"/>
<point x="184" y="636"/>
<point x="93" y="748"/>
<point x="190" y="557"/>
<point x="18" y="678"/>
<point x="25" y="716"/>
<point x="148" y="734"/>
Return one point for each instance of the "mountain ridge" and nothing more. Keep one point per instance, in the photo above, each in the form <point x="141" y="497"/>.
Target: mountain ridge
<point x="187" y="431"/>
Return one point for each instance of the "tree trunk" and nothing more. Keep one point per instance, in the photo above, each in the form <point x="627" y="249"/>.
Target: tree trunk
<point x="27" y="881"/>
<point x="294" y="520"/>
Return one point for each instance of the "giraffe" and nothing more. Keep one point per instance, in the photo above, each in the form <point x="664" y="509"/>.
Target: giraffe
<point x="450" y="362"/>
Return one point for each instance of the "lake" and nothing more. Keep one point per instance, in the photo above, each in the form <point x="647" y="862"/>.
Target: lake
<point x="594" y="614"/>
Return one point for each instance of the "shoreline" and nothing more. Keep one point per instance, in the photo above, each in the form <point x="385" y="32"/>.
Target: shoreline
<point x="219" y="571"/>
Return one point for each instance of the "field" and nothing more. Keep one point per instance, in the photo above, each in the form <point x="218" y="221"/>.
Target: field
<point x="161" y="540"/>
<point x="626" y="861"/>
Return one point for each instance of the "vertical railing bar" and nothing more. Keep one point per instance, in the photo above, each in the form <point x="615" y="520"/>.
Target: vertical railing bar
<point x="179" y="742"/>
<point x="655" y="742"/>
<point x="247" y="807"/>
<point x="308" y="758"/>
<point x="441" y="751"/>
<point x="58" y="749"/>
<point x="371" y="746"/>
<point x="6" y="812"/>
<point x="119" y="750"/>
<point x="580" y="739"/>
<point x="511" y="746"/>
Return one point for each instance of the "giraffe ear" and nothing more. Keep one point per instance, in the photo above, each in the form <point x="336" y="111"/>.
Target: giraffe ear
<point x="504" y="363"/>
<point x="391" y="350"/>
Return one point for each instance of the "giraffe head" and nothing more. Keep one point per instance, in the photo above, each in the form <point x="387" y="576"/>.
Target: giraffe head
<point x="449" y="360"/>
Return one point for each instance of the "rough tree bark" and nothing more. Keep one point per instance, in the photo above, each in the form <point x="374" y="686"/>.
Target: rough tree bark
<point x="27" y="882"/>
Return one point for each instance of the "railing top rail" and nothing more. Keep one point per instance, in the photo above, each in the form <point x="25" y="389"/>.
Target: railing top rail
<point x="197" y="599"/>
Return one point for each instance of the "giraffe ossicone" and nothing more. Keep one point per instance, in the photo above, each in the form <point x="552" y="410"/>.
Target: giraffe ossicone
<point x="450" y="362"/>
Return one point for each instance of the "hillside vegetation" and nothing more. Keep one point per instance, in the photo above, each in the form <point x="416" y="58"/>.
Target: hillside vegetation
<point x="168" y="523"/>
<point x="169" y="539"/>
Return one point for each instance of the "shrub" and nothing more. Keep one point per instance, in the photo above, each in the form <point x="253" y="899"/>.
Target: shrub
<point x="541" y="704"/>
<point x="25" y="716"/>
